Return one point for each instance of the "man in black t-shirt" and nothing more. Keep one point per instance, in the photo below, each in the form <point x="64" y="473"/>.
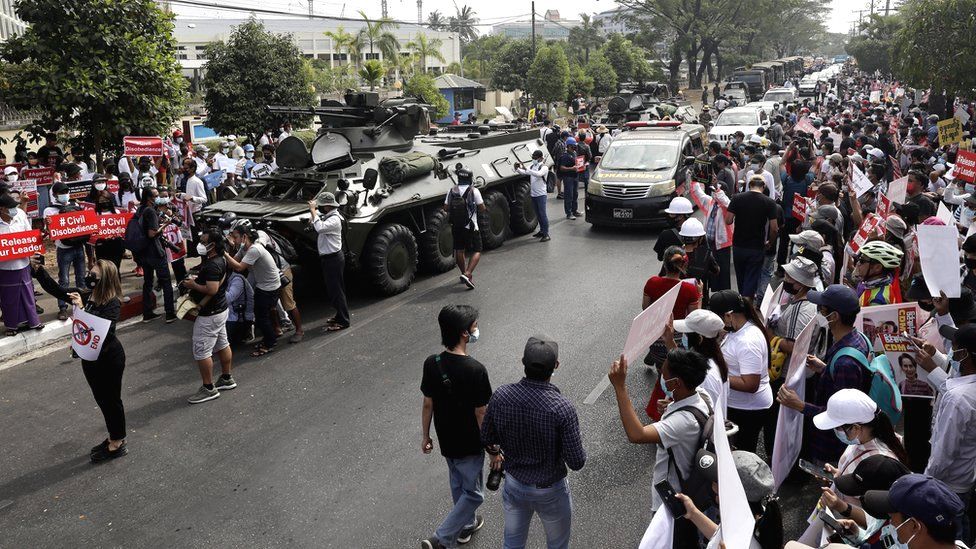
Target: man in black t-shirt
<point x="456" y="391"/>
<point x="50" y="155"/>
<point x="210" y="325"/>
<point x="756" y="227"/>
<point x="152" y="259"/>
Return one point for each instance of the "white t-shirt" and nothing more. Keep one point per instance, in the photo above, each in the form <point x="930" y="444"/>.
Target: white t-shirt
<point x="476" y="196"/>
<point x="746" y="353"/>
<point x="19" y="222"/>
<point x="680" y="433"/>
<point x="283" y="136"/>
<point x="768" y="178"/>
<point x="265" y="140"/>
<point x="714" y="387"/>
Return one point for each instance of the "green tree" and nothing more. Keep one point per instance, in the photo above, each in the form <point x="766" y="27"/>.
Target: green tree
<point x="422" y="86"/>
<point x="254" y="68"/>
<point x="587" y="36"/>
<point x="326" y="79"/>
<point x="436" y="21"/>
<point x="377" y="33"/>
<point x="464" y="24"/>
<point x="512" y="65"/>
<point x="603" y="75"/>
<point x="344" y="41"/>
<point x="481" y="54"/>
<point x="617" y="52"/>
<point x="372" y="72"/>
<point x="108" y="70"/>
<point x="424" y="47"/>
<point x="548" y="78"/>
<point x="579" y="82"/>
<point x="935" y="48"/>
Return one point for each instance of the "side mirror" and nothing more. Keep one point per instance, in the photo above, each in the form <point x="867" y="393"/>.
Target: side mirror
<point x="689" y="160"/>
<point x="369" y="179"/>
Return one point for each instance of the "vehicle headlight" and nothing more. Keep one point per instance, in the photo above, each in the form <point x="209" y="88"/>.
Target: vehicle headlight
<point x="661" y="189"/>
<point x="595" y="187"/>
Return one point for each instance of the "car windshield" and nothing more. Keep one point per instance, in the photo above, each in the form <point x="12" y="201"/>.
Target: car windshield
<point x="737" y="119"/>
<point x="640" y="155"/>
<point x="778" y="96"/>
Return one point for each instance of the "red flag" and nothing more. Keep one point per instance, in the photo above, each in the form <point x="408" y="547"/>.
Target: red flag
<point x="895" y="167"/>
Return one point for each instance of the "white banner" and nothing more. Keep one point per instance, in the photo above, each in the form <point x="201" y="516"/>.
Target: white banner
<point x="648" y="326"/>
<point x="945" y="215"/>
<point x="88" y="334"/>
<point x="789" y="424"/>
<point x="897" y="190"/>
<point x="738" y="522"/>
<point x="938" y="250"/>
<point x="771" y="299"/>
<point x="859" y="181"/>
<point x="660" y="532"/>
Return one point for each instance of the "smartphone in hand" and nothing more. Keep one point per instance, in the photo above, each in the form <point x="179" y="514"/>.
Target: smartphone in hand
<point x="843" y="533"/>
<point x="817" y="471"/>
<point x="670" y="498"/>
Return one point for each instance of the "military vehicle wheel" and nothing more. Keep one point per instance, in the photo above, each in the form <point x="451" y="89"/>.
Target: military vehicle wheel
<point x="524" y="220"/>
<point x="495" y="228"/>
<point x="437" y="244"/>
<point x="390" y="259"/>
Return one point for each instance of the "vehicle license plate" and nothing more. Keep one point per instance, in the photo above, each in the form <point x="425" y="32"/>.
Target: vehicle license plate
<point x="623" y="213"/>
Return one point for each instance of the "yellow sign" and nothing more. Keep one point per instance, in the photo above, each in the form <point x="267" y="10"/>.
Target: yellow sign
<point x="950" y="131"/>
<point x="531" y="114"/>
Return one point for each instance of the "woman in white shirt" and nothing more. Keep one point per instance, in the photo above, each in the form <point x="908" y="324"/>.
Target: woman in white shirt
<point x="746" y="351"/>
<point x="702" y="328"/>
<point x="16" y="288"/>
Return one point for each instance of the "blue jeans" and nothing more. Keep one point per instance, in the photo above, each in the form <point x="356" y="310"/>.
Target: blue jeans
<point x="570" y="195"/>
<point x="748" y="266"/>
<point x="553" y="504"/>
<point x="150" y="270"/>
<point x="769" y="265"/>
<point x="66" y="258"/>
<point x="540" y="211"/>
<point x="962" y="520"/>
<point x="467" y="485"/>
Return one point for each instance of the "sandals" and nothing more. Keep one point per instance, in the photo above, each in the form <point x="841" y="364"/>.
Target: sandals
<point x="261" y="350"/>
<point x="8" y="332"/>
<point x="335" y="327"/>
<point x="296" y="338"/>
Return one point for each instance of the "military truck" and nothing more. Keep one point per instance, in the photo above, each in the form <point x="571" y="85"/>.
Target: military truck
<point x="391" y="172"/>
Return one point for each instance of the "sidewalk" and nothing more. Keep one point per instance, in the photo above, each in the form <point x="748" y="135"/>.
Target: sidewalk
<point x="54" y="330"/>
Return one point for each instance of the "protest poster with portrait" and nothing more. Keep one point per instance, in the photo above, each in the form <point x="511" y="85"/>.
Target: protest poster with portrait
<point x="886" y="326"/>
<point x="28" y="188"/>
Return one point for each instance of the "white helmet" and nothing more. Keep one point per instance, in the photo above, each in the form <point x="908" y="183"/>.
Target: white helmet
<point x="679" y="206"/>
<point x="692" y="228"/>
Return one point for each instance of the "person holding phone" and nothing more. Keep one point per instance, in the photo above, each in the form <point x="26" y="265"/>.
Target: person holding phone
<point x="101" y="297"/>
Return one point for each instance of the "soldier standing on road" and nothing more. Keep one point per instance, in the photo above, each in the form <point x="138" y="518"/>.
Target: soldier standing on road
<point x="463" y="204"/>
<point x="456" y="392"/>
<point x="538" y="172"/>
<point x="329" y="229"/>
<point x="566" y="167"/>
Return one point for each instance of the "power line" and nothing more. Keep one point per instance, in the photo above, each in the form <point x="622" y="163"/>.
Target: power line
<point x="265" y="11"/>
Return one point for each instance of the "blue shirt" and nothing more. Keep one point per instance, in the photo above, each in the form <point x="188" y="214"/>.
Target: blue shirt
<point x="537" y="429"/>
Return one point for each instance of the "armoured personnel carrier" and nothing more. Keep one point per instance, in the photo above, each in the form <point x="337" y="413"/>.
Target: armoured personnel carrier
<point x="391" y="172"/>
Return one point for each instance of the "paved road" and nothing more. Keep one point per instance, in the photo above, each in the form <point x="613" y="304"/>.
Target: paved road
<point x="319" y="445"/>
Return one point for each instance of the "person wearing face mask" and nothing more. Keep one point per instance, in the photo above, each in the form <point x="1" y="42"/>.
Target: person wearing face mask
<point x="757" y="163"/>
<point x="538" y="172"/>
<point x="10" y="174"/>
<point x="837" y="308"/>
<point x="844" y="500"/>
<point x="456" y="391"/>
<point x="328" y="226"/>
<point x="915" y="194"/>
<point x="101" y="296"/>
<point x="253" y="257"/>
<point x="70" y="251"/>
<point x="153" y="257"/>
<point x="714" y="201"/>
<point x="701" y="330"/>
<point x="249" y="162"/>
<point x="876" y="270"/>
<point x="145" y="173"/>
<point x="679" y="210"/>
<point x="174" y="152"/>
<point x="128" y="196"/>
<point x="110" y="249"/>
<point x="223" y="156"/>
<point x="701" y="263"/>
<point x="194" y="194"/>
<point x="236" y="151"/>
<point x="204" y="164"/>
<point x="16" y="291"/>
<point x="746" y="351"/>
<point x="923" y="512"/>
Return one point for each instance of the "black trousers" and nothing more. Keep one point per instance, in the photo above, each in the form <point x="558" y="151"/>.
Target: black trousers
<point x="334" y="271"/>
<point x="110" y="249"/>
<point x="264" y="302"/>
<point x="160" y="269"/>
<point x="750" y="423"/>
<point x="104" y="376"/>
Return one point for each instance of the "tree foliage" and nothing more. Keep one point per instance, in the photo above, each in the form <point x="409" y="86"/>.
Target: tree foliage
<point x="872" y="46"/>
<point x="579" y="82"/>
<point x="548" y="79"/>
<point x="586" y="37"/>
<point x="603" y="76"/>
<point x="512" y="65"/>
<point x="464" y="22"/>
<point x="376" y="35"/>
<point x="934" y="48"/>
<point x="372" y="72"/>
<point x="326" y="79"/>
<point x="422" y="86"/>
<point x="108" y="70"/>
<point x="617" y="52"/>
<point x="424" y="47"/>
<point x="254" y="68"/>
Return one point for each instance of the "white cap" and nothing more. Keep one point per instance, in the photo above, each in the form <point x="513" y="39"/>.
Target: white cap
<point x="701" y="321"/>
<point x="12" y="170"/>
<point x="679" y="206"/>
<point x="845" y="407"/>
<point x="877" y="153"/>
<point x="692" y="228"/>
<point x="231" y="137"/>
<point x="755" y="139"/>
<point x="939" y="168"/>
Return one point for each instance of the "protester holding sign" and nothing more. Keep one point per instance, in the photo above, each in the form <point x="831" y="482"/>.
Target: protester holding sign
<point x="153" y="258"/>
<point x="100" y="296"/>
<point x="876" y="268"/>
<point x="70" y="250"/>
<point x="106" y="247"/>
<point x="16" y="291"/>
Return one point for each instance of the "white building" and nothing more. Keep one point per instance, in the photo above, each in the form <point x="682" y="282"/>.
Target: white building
<point x="619" y="20"/>
<point x="193" y="35"/>
<point x="549" y="27"/>
<point x="10" y="25"/>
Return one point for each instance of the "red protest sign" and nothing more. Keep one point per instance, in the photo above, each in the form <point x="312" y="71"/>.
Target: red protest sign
<point x="72" y="224"/>
<point x="17" y="165"/>
<point x="143" y="146"/>
<point x="43" y="176"/>
<point x="113" y="186"/>
<point x="966" y="166"/>
<point x="884" y="206"/>
<point x="112" y="225"/>
<point x="871" y="222"/>
<point x="20" y="245"/>
<point x="800" y="208"/>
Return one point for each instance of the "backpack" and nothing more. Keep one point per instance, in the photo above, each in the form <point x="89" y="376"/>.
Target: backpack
<point x="459" y="207"/>
<point x="696" y="486"/>
<point x="135" y="239"/>
<point x="73" y="241"/>
<point x="884" y="391"/>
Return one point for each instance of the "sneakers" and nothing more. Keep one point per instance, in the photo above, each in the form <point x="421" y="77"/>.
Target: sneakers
<point x="225" y="383"/>
<point x="150" y="316"/>
<point x="559" y="196"/>
<point x="571" y="217"/>
<point x="104" y="454"/>
<point x="538" y="235"/>
<point x="578" y="214"/>
<point x="545" y="239"/>
<point x="465" y="535"/>
<point x="63" y="314"/>
<point x="203" y="395"/>
<point x="431" y="543"/>
<point x="170" y="317"/>
<point x="467" y="282"/>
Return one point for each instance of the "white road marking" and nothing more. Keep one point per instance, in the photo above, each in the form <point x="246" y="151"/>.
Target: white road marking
<point x="597" y="391"/>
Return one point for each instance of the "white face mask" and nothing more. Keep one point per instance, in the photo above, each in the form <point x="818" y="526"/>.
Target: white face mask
<point x="249" y="154"/>
<point x="201" y="249"/>
<point x="179" y="140"/>
<point x="99" y="186"/>
<point x="64" y="198"/>
<point x="474" y="335"/>
<point x="12" y="177"/>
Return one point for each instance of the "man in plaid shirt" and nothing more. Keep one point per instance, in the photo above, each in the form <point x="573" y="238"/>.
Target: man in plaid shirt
<point x="534" y="430"/>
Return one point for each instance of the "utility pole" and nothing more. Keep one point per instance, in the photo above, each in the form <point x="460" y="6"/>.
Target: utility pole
<point x="533" y="29"/>
<point x="383" y="8"/>
<point x="887" y="7"/>
<point x="420" y="12"/>
<point x="311" y="10"/>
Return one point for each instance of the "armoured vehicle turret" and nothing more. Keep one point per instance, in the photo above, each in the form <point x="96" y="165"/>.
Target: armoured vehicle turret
<point x="391" y="172"/>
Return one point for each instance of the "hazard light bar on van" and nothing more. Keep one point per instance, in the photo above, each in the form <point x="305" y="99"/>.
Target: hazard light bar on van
<point x="654" y="124"/>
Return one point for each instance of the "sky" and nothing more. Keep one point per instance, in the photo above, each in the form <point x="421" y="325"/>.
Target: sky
<point x="842" y="11"/>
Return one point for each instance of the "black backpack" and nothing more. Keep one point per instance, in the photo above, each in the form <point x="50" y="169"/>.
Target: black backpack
<point x="696" y="486"/>
<point x="458" y="208"/>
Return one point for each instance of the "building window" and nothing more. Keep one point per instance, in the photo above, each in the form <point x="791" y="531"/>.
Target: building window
<point x="202" y="56"/>
<point x="340" y="56"/>
<point x="305" y="45"/>
<point x="308" y="55"/>
<point x="372" y="56"/>
<point x="463" y="100"/>
<point x="200" y="48"/>
<point x="181" y="56"/>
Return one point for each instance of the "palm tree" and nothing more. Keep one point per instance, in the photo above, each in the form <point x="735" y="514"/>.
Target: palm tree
<point x="463" y="23"/>
<point x="399" y="65"/>
<point x="591" y="34"/>
<point x="343" y="40"/>
<point x="424" y="47"/>
<point x="436" y="21"/>
<point x="376" y="33"/>
<point x="372" y="72"/>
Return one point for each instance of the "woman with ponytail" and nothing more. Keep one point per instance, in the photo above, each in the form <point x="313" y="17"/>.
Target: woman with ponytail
<point x="701" y="329"/>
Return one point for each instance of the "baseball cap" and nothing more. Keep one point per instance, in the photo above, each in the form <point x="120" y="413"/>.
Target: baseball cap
<point x="876" y="153"/>
<point x="541" y="354"/>
<point x="570" y="141"/>
<point x="756" y="477"/>
<point x="692" y="228"/>
<point x="846" y="407"/>
<point x="679" y="205"/>
<point x="700" y="321"/>
<point x="10" y="170"/>
<point x="877" y="472"/>
<point x="725" y="301"/>
<point x="803" y="271"/>
<point x="964" y="337"/>
<point x="836" y="297"/>
<point x="918" y="496"/>
<point x="808" y="239"/>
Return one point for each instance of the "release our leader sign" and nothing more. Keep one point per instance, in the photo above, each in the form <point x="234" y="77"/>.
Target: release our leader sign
<point x="143" y="146"/>
<point x="20" y="245"/>
<point x="72" y="224"/>
<point x="966" y="166"/>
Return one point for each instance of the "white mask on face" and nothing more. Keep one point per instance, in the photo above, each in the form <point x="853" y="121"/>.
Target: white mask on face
<point x="99" y="186"/>
<point x="202" y="249"/>
<point x="64" y="198"/>
<point x="249" y="154"/>
<point x="12" y="177"/>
